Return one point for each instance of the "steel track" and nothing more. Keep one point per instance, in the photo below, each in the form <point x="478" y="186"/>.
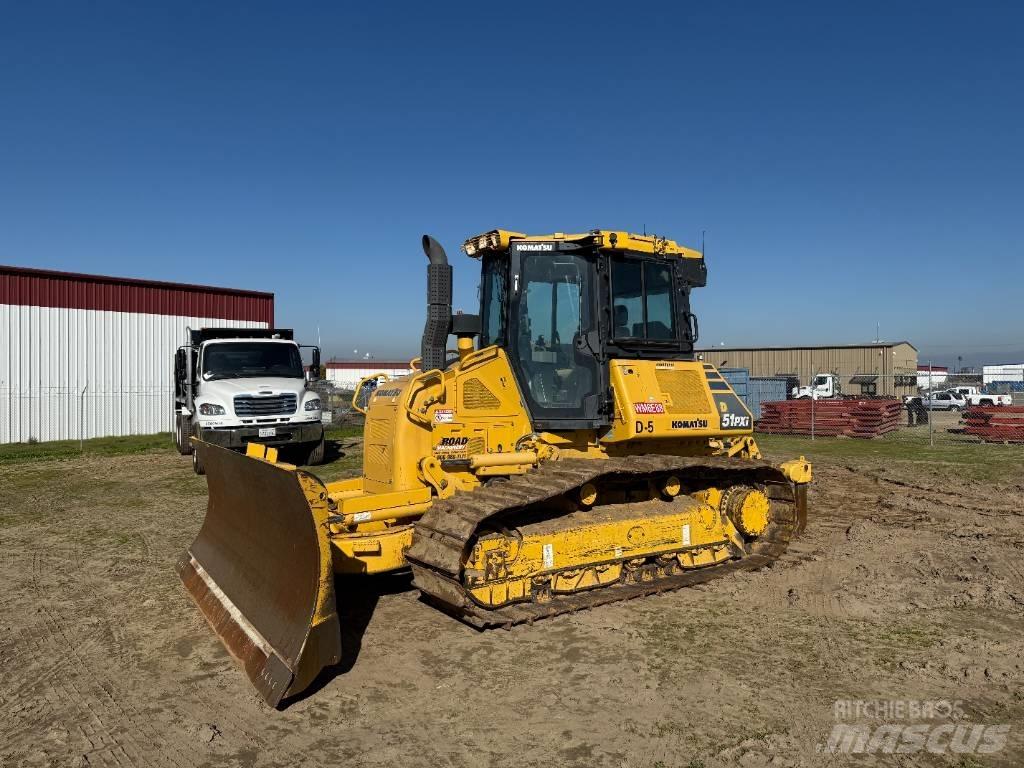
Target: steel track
<point x="446" y="532"/>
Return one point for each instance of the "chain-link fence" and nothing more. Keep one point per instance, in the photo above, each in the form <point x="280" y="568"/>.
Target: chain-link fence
<point x="40" y="414"/>
<point x="337" y="404"/>
<point x="29" y="414"/>
<point x="931" y="407"/>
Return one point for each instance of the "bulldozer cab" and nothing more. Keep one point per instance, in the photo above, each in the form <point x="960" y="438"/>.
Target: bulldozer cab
<point x="563" y="306"/>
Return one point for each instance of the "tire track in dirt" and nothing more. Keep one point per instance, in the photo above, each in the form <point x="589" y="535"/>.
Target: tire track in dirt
<point x="151" y="685"/>
<point x="76" y="665"/>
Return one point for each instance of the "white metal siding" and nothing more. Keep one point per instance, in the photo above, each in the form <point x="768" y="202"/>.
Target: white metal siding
<point x="992" y="374"/>
<point x="72" y="373"/>
<point x="348" y="378"/>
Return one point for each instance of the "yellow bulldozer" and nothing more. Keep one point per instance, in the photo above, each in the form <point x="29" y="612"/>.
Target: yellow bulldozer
<point x="570" y="452"/>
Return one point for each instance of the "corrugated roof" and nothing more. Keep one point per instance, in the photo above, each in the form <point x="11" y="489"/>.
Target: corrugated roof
<point x="25" y="286"/>
<point x="869" y="345"/>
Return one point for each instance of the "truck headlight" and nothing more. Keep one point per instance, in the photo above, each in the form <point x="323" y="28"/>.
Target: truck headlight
<point x="211" y="409"/>
<point x="313" y="405"/>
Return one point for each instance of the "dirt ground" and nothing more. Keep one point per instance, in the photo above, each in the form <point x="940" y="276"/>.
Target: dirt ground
<point x="908" y="585"/>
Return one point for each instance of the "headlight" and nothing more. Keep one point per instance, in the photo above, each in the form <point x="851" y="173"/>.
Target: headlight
<point x="211" y="409"/>
<point x="313" y="405"/>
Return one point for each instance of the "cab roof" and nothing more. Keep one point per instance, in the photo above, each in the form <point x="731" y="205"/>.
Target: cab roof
<point x="604" y="239"/>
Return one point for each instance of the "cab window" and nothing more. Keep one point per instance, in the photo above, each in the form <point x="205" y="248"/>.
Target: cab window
<point x="492" y="310"/>
<point x="554" y="310"/>
<point x="642" y="300"/>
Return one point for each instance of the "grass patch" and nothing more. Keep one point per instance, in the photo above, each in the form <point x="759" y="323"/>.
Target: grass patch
<point x="977" y="461"/>
<point x="16" y="453"/>
<point x="349" y="464"/>
<point x="343" y="431"/>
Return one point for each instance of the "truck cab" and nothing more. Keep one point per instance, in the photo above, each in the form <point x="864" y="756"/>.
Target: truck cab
<point x="822" y="387"/>
<point x="234" y="386"/>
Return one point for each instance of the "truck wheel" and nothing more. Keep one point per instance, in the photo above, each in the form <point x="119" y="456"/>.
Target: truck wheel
<point x="316" y="454"/>
<point x="197" y="464"/>
<point x="181" y="434"/>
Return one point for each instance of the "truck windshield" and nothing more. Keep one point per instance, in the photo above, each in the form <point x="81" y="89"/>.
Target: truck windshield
<point x="251" y="358"/>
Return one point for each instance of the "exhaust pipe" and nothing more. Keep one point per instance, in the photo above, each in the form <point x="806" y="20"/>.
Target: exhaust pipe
<point x="439" y="307"/>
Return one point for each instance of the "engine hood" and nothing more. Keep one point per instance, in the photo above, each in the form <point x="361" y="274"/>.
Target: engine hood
<point x="270" y="385"/>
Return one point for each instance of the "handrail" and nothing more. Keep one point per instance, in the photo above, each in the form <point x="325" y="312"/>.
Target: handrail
<point x="478" y="354"/>
<point x="359" y="387"/>
<point x="417" y="381"/>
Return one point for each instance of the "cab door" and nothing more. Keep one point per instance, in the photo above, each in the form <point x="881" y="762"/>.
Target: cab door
<point x="552" y="332"/>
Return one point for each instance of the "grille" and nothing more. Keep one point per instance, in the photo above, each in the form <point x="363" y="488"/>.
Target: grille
<point x="377" y="447"/>
<point x="477" y="397"/>
<point x="272" y="405"/>
<point x="685" y="390"/>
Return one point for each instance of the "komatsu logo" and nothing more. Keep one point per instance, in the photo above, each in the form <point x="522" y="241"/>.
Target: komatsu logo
<point x="536" y="246"/>
<point x="690" y="424"/>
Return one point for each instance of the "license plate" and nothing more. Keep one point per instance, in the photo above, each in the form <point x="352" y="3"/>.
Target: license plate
<point x="268" y="431"/>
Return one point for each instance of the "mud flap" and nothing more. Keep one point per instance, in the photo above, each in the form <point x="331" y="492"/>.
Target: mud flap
<point x="260" y="570"/>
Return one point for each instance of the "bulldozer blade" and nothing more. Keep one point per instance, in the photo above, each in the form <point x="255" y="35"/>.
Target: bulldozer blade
<point x="260" y="570"/>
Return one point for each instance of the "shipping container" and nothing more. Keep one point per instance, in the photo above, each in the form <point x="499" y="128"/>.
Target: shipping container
<point x="754" y="390"/>
<point x="765" y="389"/>
<point x="738" y="379"/>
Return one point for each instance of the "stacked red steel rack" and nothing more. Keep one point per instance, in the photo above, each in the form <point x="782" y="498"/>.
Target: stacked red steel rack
<point x="831" y="418"/>
<point x="995" y="423"/>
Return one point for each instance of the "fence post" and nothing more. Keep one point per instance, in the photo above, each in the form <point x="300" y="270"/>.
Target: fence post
<point x="813" y="398"/>
<point x="81" y="418"/>
<point x="931" y="400"/>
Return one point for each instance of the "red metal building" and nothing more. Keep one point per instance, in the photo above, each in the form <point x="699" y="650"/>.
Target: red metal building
<point x="90" y="355"/>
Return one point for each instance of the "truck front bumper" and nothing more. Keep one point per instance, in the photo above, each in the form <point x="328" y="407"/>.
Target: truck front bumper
<point x="287" y="434"/>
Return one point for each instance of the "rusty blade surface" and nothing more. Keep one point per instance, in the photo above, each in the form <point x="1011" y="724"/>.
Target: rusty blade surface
<point x="260" y="571"/>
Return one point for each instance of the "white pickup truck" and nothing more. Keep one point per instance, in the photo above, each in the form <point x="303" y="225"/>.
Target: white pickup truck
<point x="974" y="397"/>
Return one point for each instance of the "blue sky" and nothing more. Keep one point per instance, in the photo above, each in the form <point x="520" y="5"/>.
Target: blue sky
<point x="850" y="166"/>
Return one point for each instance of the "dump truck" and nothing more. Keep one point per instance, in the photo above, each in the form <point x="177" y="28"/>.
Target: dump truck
<point x="234" y="385"/>
<point x="569" y="452"/>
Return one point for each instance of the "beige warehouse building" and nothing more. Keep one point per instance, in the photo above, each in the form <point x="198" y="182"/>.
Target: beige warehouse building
<point x="886" y="368"/>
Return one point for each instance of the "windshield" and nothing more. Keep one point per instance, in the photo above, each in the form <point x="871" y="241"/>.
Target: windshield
<point x="251" y="358"/>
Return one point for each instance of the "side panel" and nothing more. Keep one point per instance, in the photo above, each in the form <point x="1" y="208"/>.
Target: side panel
<point x="482" y="412"/>
<point x="474" y="408"/>
<point x="665" y="399"/>
<point x="393" y="443"/>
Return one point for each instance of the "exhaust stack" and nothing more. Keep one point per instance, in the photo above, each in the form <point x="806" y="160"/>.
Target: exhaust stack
<point x="439" y="307"/>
